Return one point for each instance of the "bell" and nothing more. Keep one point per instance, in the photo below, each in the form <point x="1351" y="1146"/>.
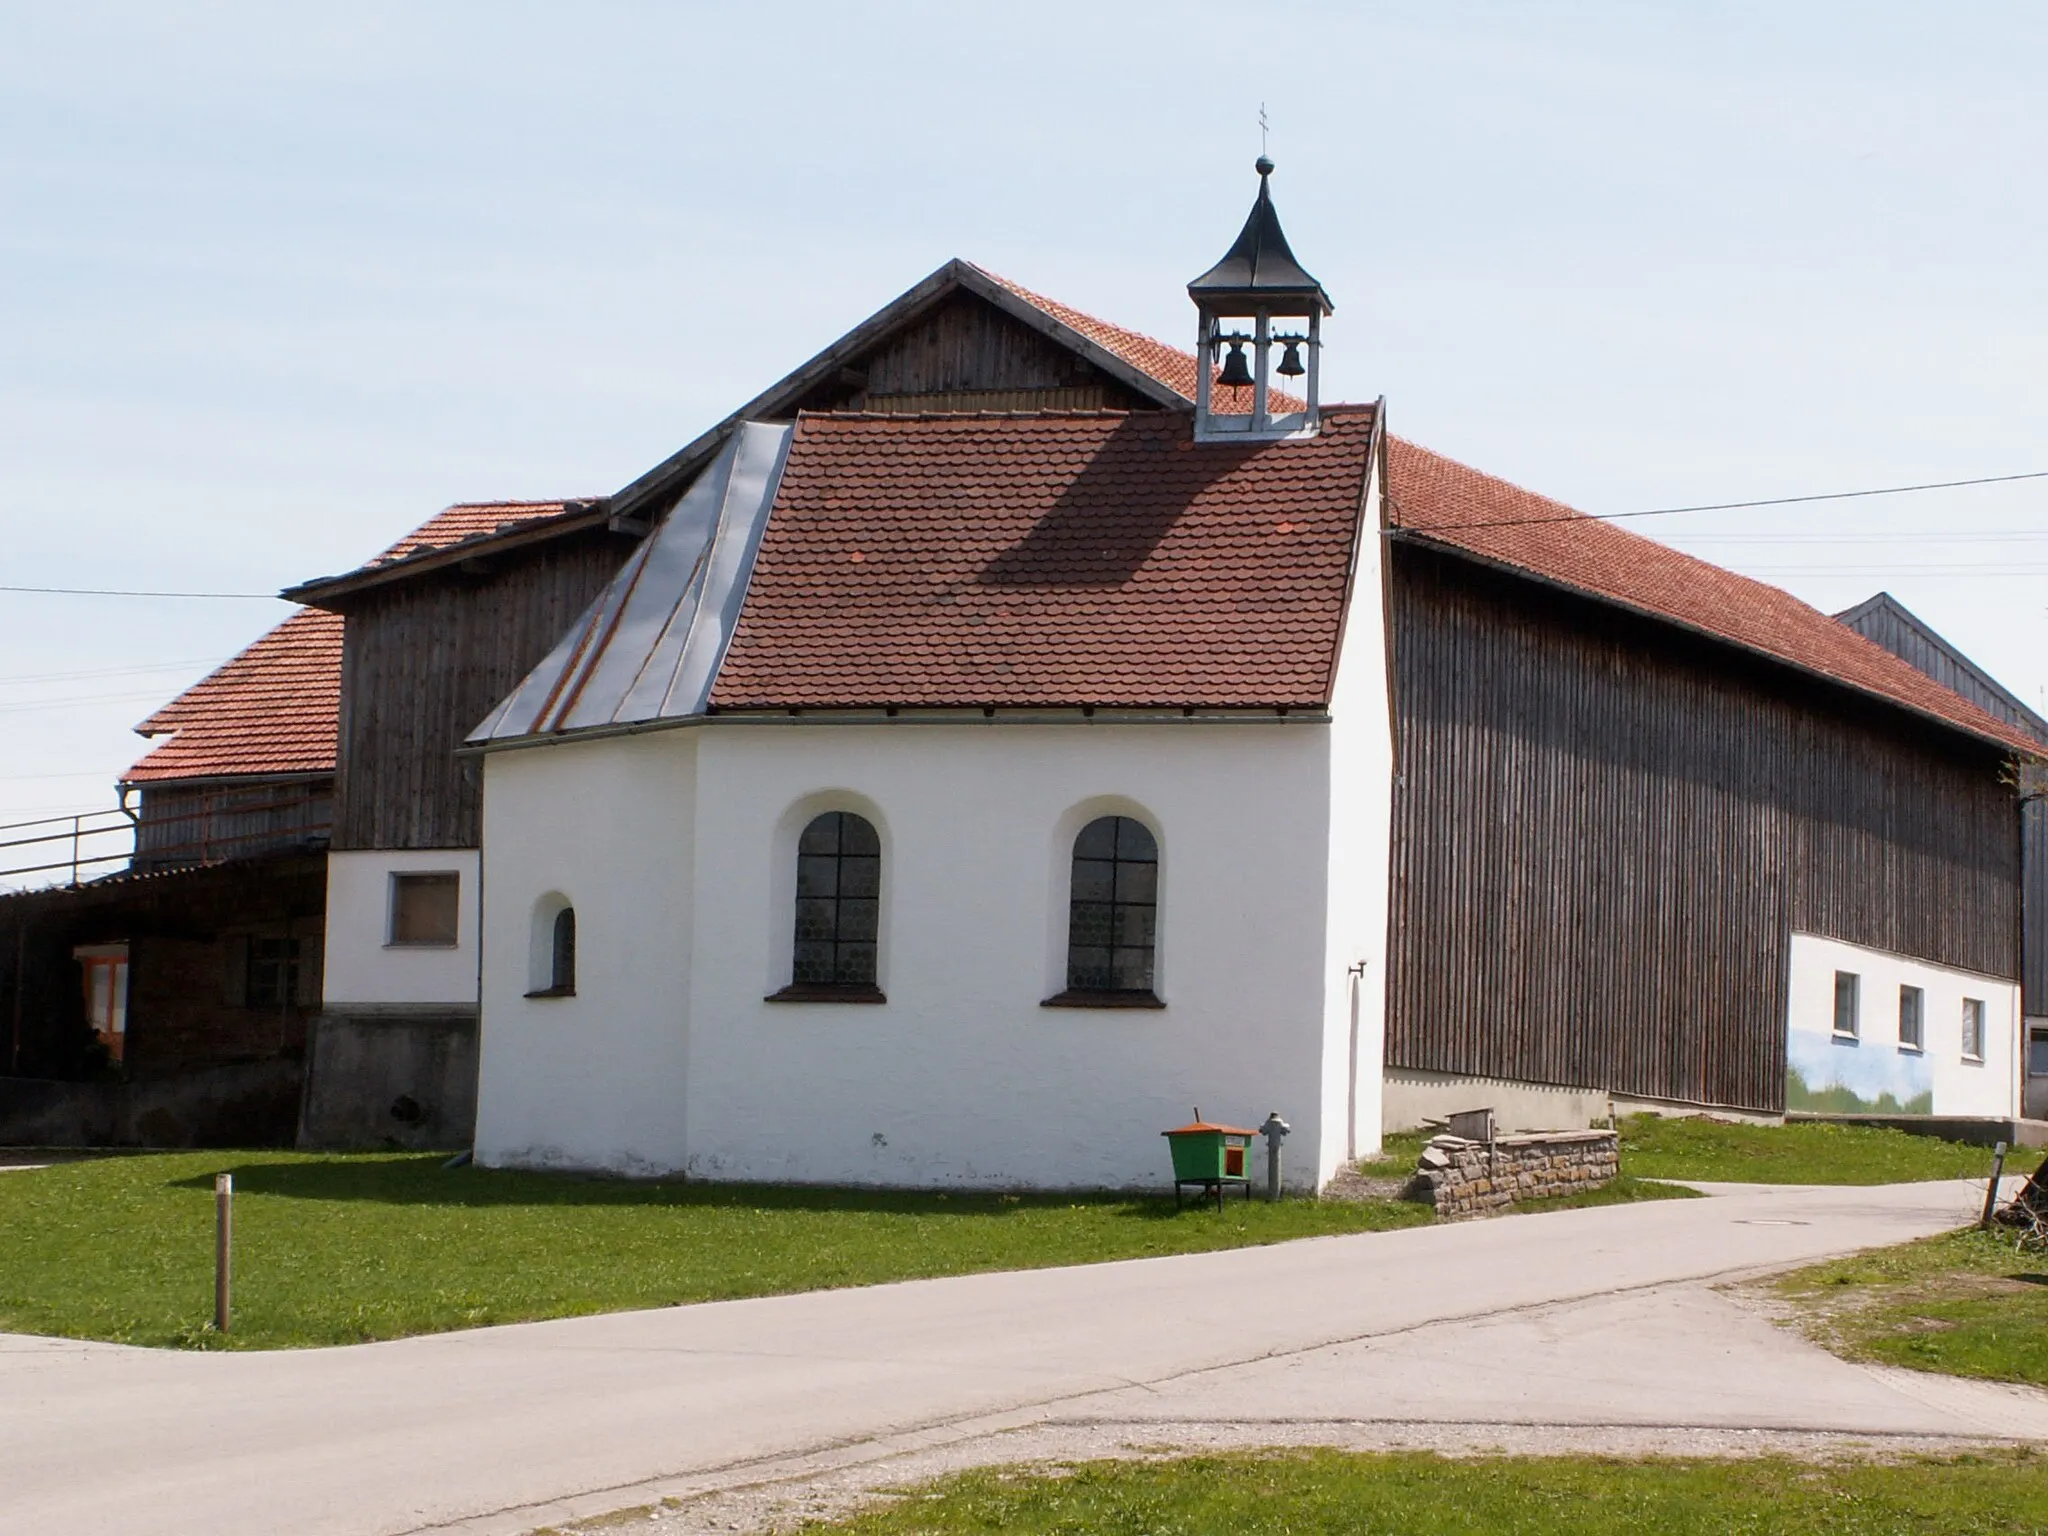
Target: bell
<point x="1290" y="360"/>
<point x="1234" y="370"/>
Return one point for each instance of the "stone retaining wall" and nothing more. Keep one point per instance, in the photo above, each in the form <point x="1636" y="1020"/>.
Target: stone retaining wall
<point x="1463" y="1178"/>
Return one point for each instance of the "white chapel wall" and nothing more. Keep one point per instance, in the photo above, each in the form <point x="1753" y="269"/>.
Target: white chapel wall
<point x="1361" y="828"/>
<point x="362" y="966"/>
<point x="962" y="1078"/>
<point x="595" y="1079"/>
<point x="670" y="1057"/>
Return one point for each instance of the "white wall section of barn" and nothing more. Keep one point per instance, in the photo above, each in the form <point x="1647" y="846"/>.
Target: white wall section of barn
<point x="1871" y="1072"/>
<point x="363" y="965"/>
<point x="671" y="845"/>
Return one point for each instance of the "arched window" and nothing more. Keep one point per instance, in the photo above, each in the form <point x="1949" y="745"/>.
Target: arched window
<point x="1112" y="915"/>
<point x="562" y="972"/>
<point x="838" y="910"/>
<point x="551" y="962"/>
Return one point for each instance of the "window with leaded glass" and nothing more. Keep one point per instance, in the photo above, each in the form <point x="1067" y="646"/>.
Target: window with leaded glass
<point x="838" y="909"/>
<point x="1112" y="915"/>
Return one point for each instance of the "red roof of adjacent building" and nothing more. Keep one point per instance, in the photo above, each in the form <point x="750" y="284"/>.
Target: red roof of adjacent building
<point x="274" y="709"/>
<point x="1087" y="558"/>
<point x="271" y="710"/>
<point x="1452" y="504"/>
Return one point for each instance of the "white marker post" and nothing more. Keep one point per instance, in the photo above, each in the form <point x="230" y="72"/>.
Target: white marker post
<point x="223" y="1246"/>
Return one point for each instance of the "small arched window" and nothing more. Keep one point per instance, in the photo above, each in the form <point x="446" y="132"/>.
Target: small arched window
<point x="838" y="910"/>
<point x="562" y="970"/>
<point x="1112" y="915"/>
<point x="551" y="969"/>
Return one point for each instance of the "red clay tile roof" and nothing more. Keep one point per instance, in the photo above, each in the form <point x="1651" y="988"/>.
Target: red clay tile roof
<point x="270" y="710"/>
<point x="467" y="520"/>
<point x="1176" y="369"/>
<point x="275" y="708"/>
<point x="1096" y="558"/>
<point x="1452" y="504"/>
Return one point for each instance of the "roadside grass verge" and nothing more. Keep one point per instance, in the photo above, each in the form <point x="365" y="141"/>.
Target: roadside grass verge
<point x="1966" y="1303"/>
<point x="1333" y="1492"/>
<point x="1805" y="1152"/>
<point x="348" y="1248"/>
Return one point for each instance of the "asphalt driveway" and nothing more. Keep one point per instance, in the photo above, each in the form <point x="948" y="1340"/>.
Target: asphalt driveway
<point x="1594" y="1319"/>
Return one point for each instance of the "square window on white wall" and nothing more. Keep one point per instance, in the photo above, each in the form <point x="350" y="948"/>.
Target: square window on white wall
<point x="424" y="908"/>
<point x="1973" y="1029"/>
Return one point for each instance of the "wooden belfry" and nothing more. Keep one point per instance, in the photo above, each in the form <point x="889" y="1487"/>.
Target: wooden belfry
<point x="1257" y="282"/>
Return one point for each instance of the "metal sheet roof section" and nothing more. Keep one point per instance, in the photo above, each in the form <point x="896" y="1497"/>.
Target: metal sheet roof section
<point x="649" y="648"/>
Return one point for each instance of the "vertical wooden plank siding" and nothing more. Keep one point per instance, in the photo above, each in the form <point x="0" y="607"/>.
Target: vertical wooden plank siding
<point x="1605" y="832"/>
<point x="423" y="661"/>
<point x="179" y="823"/>
<point x="968" y="355"/>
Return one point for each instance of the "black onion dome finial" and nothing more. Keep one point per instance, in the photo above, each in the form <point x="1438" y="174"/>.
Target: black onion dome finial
<point x="1259" y="268"/>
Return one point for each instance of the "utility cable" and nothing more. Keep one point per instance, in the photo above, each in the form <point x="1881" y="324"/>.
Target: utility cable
<point x="1727" y="506"/>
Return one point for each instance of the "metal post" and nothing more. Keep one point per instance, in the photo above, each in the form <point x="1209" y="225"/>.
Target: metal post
<point x="1275" y="1131"/>
<point x="1991" y="1190"/>
<point x="223" y="1246"/>
<point x="20" y="963"/>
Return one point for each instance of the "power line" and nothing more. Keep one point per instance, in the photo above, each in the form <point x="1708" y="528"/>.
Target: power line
<point x="69" y="677"/>
<point x="1733" y="506"/>
<point x="118" y="592"/>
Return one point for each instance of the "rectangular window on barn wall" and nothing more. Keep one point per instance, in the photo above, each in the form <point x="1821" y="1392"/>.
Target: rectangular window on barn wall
<point x="106" y="994"/>
<point x="1848" y="986"/>
<point x="424" y="906"/>
<point x="1912" y="1019"/>
<point x="1973" y="1029"/>
<point x="273" y="972"/>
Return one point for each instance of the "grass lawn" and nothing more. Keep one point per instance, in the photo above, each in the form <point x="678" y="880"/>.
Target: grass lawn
<point x="341" y="1249"/>
<point x="1806" y="1152"/>
<point x="1967" y="1303"/>
<point x="1421" y="1495"/>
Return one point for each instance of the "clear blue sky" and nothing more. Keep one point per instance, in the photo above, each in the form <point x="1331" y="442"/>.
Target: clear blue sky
<point x="277" y="282"/>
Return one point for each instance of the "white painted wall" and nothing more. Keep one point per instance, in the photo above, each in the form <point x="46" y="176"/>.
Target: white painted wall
<point x="681" y="843"/>
<point x="596" y="1080"/>
<point x="1361" y="830"/>
<point x="362" y="966"/>
<point x="1875" y="1062"/>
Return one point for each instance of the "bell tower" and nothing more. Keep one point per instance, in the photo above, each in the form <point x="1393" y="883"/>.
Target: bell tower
<point x="1257" y="282"/>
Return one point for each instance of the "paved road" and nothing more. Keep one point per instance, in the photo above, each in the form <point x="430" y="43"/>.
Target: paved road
<point x="1592" y="1317"/>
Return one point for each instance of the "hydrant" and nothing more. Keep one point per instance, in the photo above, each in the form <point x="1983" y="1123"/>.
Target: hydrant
<point x="1275" y="1131"/>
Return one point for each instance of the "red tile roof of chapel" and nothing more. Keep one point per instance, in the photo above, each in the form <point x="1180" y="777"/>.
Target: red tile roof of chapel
<point x="1062" y="559"/>
<point x="1452" y="504"/>
<point x="275" y="707"/>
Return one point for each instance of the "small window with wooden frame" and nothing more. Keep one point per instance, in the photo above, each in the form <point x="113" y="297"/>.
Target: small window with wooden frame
<point x="836" y="947"/>
<point x="1112" y="917"/>
<point x="425" y="907"/>
<point x="106" y="994"/>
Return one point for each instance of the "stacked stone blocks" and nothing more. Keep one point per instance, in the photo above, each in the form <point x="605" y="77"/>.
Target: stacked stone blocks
<point x="1459" y="1177"/>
